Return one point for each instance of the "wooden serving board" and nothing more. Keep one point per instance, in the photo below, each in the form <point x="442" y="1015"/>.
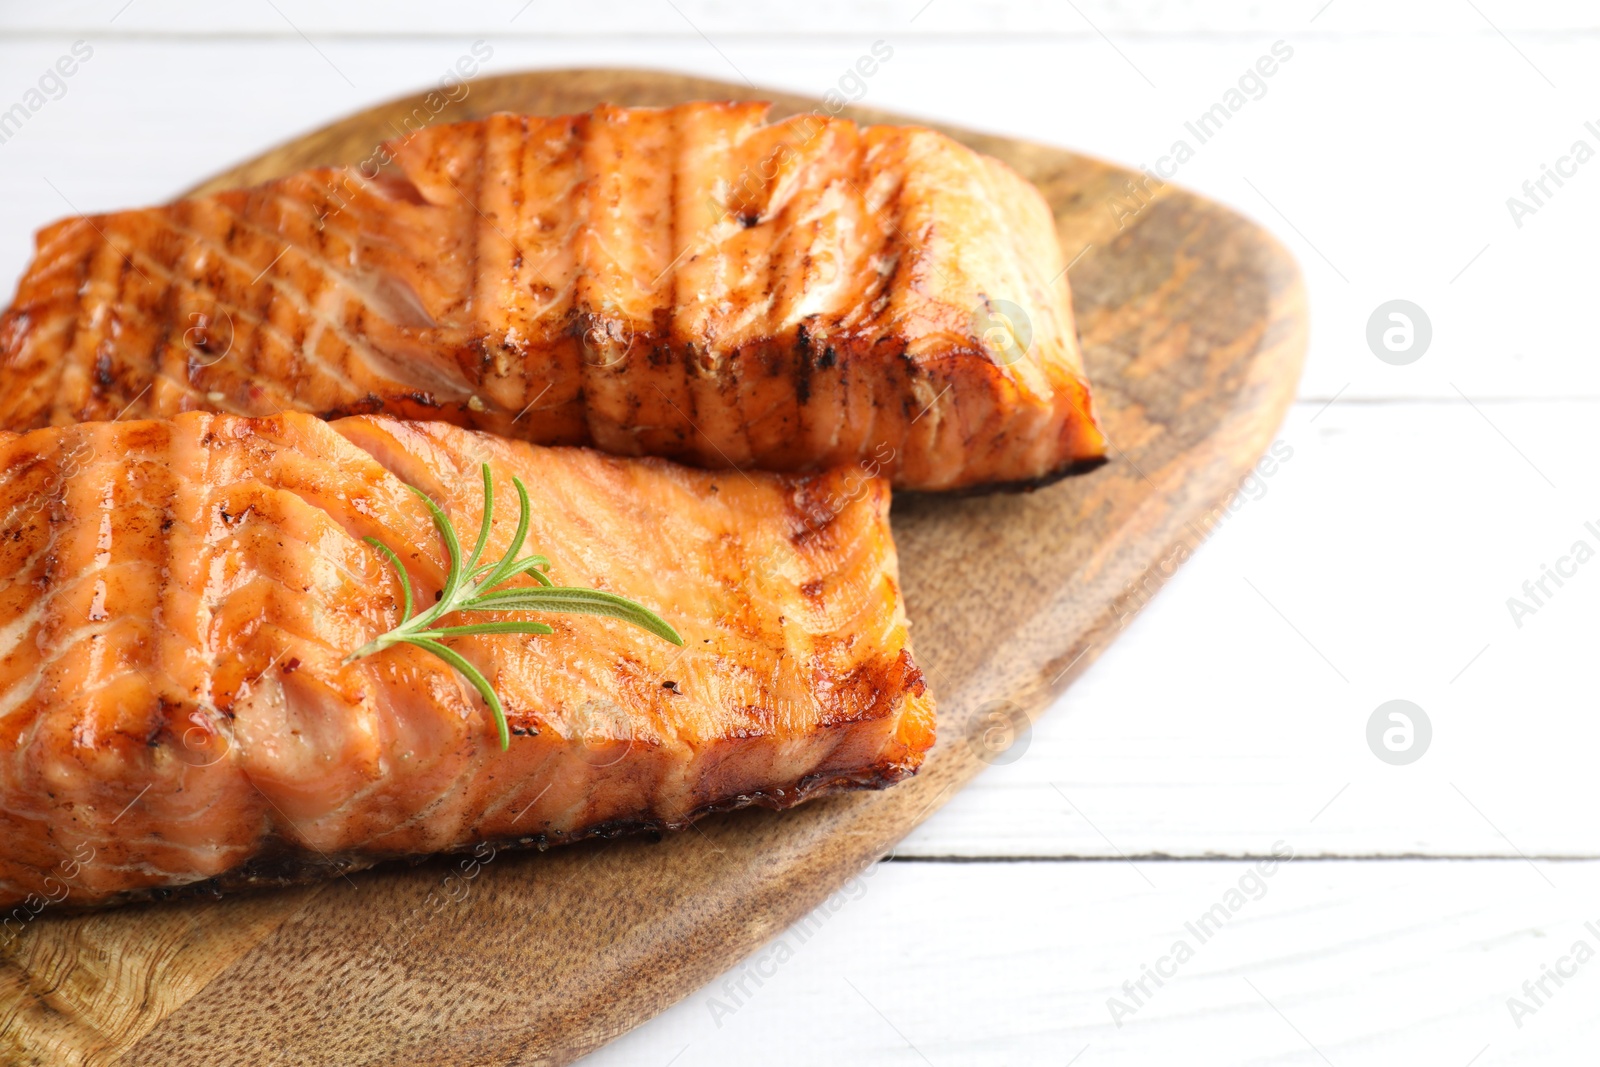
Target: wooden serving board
<point x="1193" y="326"/>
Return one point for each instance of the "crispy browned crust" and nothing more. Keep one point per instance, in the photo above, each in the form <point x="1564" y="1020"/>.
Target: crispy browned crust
<point x="280" y="866"/>
<point x="870" y="284"/>
<point x="1029" y="485"/>
<point x="178" y="598"/>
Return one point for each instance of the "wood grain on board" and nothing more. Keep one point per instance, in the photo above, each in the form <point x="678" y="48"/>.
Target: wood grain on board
<point x="1193" y="328"/>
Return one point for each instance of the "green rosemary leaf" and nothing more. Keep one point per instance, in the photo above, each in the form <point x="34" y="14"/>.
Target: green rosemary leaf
<point x="509" y="626"/>
<point x="400" y="568"/>
<point x="488" y="518"/>
<point x="452" y="546"/>
<point x="470" y="586"/>
<point x="479" y="682"/>
<point x="532" y="566"/>
<point x="503" y="570"/>
<point x="580" y="601"/>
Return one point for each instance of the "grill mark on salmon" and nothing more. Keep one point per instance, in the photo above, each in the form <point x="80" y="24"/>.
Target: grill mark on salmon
<point x="691" y="282"/>
<point x="177" y="597"/>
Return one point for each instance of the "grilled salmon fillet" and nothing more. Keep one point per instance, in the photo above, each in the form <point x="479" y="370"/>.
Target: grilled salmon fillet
<point x="690" y="282"/>
<point x="177" y="599"/>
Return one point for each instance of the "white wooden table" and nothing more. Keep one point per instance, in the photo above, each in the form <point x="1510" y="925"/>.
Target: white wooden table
<point x="1023" y="922"/>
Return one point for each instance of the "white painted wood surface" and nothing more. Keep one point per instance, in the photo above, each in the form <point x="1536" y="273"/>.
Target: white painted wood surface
<point x="1374" y="564"/>
<point x="1349" y="963"/>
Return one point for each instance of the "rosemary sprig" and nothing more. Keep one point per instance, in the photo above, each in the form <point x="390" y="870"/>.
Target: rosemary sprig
<point x="470" y="586"/>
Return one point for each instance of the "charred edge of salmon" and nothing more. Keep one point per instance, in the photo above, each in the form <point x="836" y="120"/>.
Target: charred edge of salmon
<point x="441" y="410"/>
<point x="291" y="866"/>
<point x="1021" y="485"/>
<point x="1087" y="448"/>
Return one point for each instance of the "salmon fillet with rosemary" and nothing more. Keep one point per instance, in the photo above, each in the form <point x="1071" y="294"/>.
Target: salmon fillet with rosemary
<point x="691" y="282"/>
<point x="178" y="599"/>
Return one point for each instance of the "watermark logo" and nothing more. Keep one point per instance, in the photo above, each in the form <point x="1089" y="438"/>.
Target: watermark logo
<point x="1139" y="193"/>
<point x="1537" y="992"/>
<point x="604" y="731"/>
<point x="1399" y="332"/>
<point x="1250" y="887"/>
<point x="1004" y="328"/>
<point x="852" y="84"/>
<point x="1252" y="486"/>
<point x="51" y="85"/>
<point x="208" y="337"/>
<point x="1399" y="732"/>
<point x="740" y="987"/>
<point x="56" y="886"/>
<point x="455" y="888"/>
<point x="453" y="88"/>
<point x="824" y="267"/>
<point x="204" y="742"/>
<point x="1538" y="591"/>
<point x="77" y="457"/>
<point x="607" y="339"/>
<point x="1537" y="192"/>
<point x="1000" y="732"/>
<point x="854" y="484"/>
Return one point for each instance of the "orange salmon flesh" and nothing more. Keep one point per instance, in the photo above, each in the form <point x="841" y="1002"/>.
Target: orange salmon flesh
<point x="177" y="598"/>
<point x="691" y="282"/>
